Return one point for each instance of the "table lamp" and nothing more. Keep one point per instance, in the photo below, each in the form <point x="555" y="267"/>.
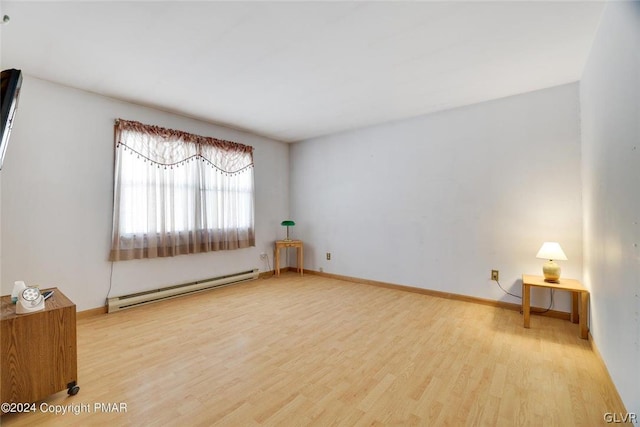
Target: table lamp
<point x="287" y="223"/>
<point x="551" y="251"/>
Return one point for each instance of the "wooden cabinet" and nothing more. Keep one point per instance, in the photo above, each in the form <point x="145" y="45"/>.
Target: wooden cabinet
<point x="39" y="352"/>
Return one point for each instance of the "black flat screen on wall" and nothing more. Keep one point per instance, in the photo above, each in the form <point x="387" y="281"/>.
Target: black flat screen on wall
<point x="11" y="82"/>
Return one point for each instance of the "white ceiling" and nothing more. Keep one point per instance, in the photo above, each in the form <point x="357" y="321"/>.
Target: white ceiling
<point x="293" y="71"/>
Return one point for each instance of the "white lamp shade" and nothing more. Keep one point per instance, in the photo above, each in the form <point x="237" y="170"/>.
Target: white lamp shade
<point x="551" y="250"/>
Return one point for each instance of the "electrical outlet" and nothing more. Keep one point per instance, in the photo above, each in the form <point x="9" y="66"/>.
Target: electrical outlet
<point x="495" y="275"/>
<point x="328" y="256"/>
<point x="263" y="255"/>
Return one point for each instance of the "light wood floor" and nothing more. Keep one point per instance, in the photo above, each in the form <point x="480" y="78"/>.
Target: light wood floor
<point x="294" y="351"/>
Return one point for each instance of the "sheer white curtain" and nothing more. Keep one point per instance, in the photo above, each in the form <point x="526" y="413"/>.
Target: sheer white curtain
<point x="177" y="193"/>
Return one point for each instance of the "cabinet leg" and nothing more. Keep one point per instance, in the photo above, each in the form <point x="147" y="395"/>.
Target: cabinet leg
<point x="73" y="388"/>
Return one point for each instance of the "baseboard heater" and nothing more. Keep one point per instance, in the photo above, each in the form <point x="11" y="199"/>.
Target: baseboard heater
<point x="155" y="295"/>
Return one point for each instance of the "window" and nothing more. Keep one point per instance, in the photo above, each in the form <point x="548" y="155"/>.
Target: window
<point x="177" y="193"/>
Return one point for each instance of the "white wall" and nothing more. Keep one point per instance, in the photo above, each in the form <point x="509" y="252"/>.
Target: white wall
<point x="610" y="105"/>
<point x="438" y="201"/>
<point x="57" y="183"/>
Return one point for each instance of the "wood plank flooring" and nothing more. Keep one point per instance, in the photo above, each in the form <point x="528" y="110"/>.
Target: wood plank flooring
<point x="315" y="351"/>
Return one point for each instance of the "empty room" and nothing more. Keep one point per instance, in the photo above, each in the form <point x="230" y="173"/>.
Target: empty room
<point x="320" y="213"/>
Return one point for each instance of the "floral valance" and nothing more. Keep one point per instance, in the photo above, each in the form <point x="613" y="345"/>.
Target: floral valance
<point x="169" y="148"/>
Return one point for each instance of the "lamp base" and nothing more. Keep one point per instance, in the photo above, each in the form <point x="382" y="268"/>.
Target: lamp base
<point x="551" y="271"/>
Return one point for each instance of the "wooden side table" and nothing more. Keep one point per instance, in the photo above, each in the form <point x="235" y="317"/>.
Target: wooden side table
<point x="299" y="252"/>
<point x="39" y="350"/>
<point x="578" y="315"/>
